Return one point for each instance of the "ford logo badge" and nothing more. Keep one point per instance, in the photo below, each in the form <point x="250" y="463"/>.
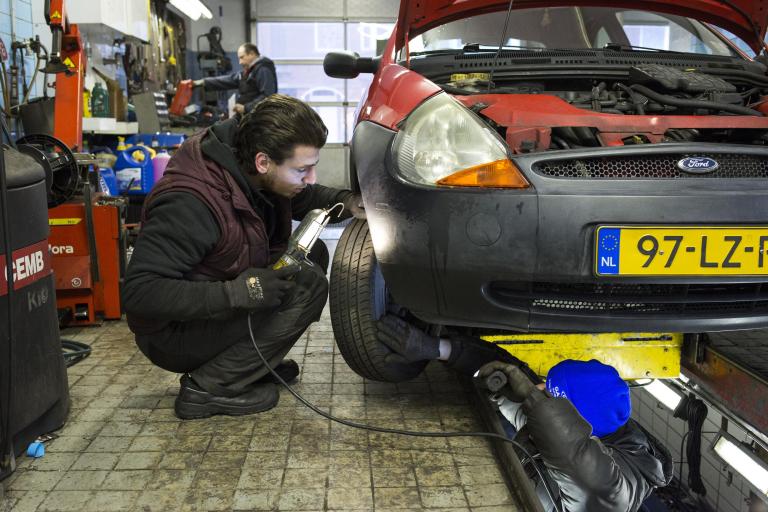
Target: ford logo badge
<point x="697" y="165"/>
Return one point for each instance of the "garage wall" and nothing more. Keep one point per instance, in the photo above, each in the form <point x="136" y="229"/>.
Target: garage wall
<point x="727" y="491"/>
<point x="297" y="34"/>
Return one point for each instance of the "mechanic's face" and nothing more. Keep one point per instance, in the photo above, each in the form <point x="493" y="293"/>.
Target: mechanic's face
<point x="290" y="177"/>
<point x="245" y="58"/>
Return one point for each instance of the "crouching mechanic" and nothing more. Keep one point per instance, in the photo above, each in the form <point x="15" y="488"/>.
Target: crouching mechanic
<point x="597" y="457"/>
<point x="212" y="228"/>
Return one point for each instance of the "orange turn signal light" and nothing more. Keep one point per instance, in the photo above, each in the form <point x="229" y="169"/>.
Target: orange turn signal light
<point x="498" y="174"/>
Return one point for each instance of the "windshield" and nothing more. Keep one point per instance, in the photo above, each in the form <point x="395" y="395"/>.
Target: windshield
<point x="575" y="28"/>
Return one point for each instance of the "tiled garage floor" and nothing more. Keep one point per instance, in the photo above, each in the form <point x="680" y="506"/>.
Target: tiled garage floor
<point x="123" y="448"/>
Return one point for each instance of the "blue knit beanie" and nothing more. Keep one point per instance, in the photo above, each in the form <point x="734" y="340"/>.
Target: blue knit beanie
<point x="596" y="390"/>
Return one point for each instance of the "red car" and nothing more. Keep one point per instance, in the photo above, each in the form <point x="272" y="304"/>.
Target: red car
<point x="543" y="166"/>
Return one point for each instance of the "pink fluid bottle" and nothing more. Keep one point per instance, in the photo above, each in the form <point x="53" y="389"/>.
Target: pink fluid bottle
<point x="159" y="163"/>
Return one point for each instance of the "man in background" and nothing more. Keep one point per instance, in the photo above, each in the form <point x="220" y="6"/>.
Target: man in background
<point x="254" y="82"/>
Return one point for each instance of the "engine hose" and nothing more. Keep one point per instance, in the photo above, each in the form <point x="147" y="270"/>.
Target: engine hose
<point x="678" y="102"/>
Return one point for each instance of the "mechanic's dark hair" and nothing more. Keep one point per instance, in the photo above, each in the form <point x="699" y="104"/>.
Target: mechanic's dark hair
<point x="275" y="126"/>
<point x="250" y="48"/>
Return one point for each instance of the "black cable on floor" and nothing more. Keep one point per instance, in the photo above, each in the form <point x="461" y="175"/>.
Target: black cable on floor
<point x="74" y="351"/>
<point x="695" y="412"/>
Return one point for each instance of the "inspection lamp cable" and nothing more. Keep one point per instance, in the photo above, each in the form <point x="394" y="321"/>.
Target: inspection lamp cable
<point x="536" y="465"/>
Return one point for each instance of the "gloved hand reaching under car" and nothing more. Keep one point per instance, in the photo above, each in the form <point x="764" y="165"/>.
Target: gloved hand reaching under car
<point x="260" y="288"/>
<point x="408" y="343"/>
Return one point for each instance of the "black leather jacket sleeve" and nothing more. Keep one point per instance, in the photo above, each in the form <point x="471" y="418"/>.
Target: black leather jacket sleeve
<point x="178" y="232"/>
<point x="587" y="474"/>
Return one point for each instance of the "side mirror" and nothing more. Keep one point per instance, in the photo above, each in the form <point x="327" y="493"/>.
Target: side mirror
<point x="348" y="64"/>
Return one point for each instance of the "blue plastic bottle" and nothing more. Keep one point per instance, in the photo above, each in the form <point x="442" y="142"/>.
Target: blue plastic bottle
<point x="133" y="176"/>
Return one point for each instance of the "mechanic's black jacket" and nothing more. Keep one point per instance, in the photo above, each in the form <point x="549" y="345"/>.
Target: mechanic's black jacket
<point x="180" y="231"/>
<point x="253" y="85"/>
<point x="615" y="473"/>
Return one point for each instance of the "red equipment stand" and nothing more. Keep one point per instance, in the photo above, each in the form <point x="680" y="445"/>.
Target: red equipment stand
<point x="88" y="259"/>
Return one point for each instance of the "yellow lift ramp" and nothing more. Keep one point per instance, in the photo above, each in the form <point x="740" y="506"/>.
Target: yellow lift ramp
<point x="634" y="355"/>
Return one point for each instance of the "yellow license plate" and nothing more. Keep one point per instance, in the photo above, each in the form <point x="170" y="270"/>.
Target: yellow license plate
<point x="681" y="251"/>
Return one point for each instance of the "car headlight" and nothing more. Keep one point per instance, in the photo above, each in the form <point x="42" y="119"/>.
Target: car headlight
<point x="444" y="144"/>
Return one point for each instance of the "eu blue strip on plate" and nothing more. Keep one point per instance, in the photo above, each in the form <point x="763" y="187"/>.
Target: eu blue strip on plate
<point x="608" y="241"/>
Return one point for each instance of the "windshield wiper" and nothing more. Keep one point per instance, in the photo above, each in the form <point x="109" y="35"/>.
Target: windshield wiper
<point x="617" y="47"/>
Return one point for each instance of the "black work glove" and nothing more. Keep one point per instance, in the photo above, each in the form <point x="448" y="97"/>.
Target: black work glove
<point x="519" y="385"/>
<point x="353" y="203"/>
<point x="260" y="288"/>
<point x="408" y="343"/>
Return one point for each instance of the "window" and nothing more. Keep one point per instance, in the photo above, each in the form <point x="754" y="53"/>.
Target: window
<point x="298" y="49"/>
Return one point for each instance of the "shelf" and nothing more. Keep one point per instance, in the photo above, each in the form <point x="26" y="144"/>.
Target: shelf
<point x="108" y="126"/>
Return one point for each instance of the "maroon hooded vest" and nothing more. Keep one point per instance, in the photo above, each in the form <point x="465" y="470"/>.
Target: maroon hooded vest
<point x="244" y="241"/>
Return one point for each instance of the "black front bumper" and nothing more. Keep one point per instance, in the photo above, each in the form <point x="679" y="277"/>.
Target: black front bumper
<point x="523" y="259"/>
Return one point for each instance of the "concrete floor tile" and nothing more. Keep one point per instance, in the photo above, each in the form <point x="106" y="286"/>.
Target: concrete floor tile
<point x="208" y="500"/>
<point x="473" y="456"/>
<point x="88" y="461"/>
<point x="53" y="461"/>
<point x="441" y="497"/>
<point x="35" y="480"/>
<point x="109" y="444"/>
<point x="132" y="480"/>
<point x="150" y="443"/>
<point x="139" y="460"/>
<point x="255" y="500"/>
<point x="301" y="499"/>
<point x="229" y="444"/>
<point x="437" y="476"/>
<point x="305" y="478"/>
<point x="68" y="444"/>
<point x="269" y="443"/>
<point x="217" y="479"/>
<point x="307" y="459"/>
<point x="391" y="458"/>
<point x="265" y="460"/>
<point x="350" y="477"/>
<point x="223" y="460"/>
<point x="171" y="479"/>
<point x="483" y="495"/>
<point x="480" y="475"/>
<point x="189" y="443"/>
<point x="396" y="497"/>
<point x="132" y="415"/>
<point x="349" y="460"/>
<point x="350" y="498"/>
<point x="402" y="476"/>
<point x="81" y="480"/>
<point x="160" y="428"/>
<point x="66" y="501"/>
<point x="23" y="501"/>
<point x="160" y="501"/>
<point x="120" y="429"/>
<point x="82" y="428"/>
<point x="112" y="501"/>
<point x="259" y="478"/>
<point x="309" y="442"/>
<point x="180" y="460"/>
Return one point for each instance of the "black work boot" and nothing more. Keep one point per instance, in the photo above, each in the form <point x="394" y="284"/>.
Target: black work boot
<point x="288" y="370"/>
<point x="194" y="402"/>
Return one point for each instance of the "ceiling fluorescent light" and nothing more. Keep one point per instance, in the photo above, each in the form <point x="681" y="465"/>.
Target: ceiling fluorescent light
<point x="192" y="8"/>
<point x="743" y="462"/>
<point x="664" y="394"/>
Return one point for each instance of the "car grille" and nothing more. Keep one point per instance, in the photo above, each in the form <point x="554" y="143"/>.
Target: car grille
<point x="657" y="167"/>
<point x="706" y="299"/>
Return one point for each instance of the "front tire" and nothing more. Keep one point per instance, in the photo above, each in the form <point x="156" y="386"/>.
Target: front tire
<point x="358" y="298"/>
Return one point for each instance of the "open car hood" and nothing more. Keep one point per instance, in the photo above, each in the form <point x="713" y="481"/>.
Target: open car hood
<point x="746" y="19"/>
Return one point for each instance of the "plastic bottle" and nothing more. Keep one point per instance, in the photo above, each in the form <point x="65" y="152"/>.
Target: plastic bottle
<point x="121" y="144"/>
<point x="99" y="101"/>
<point x="134" y="177"/>
<point x="159" y="164"/>
<point x="108" y="181"/>
<point x="86" y="103"/>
